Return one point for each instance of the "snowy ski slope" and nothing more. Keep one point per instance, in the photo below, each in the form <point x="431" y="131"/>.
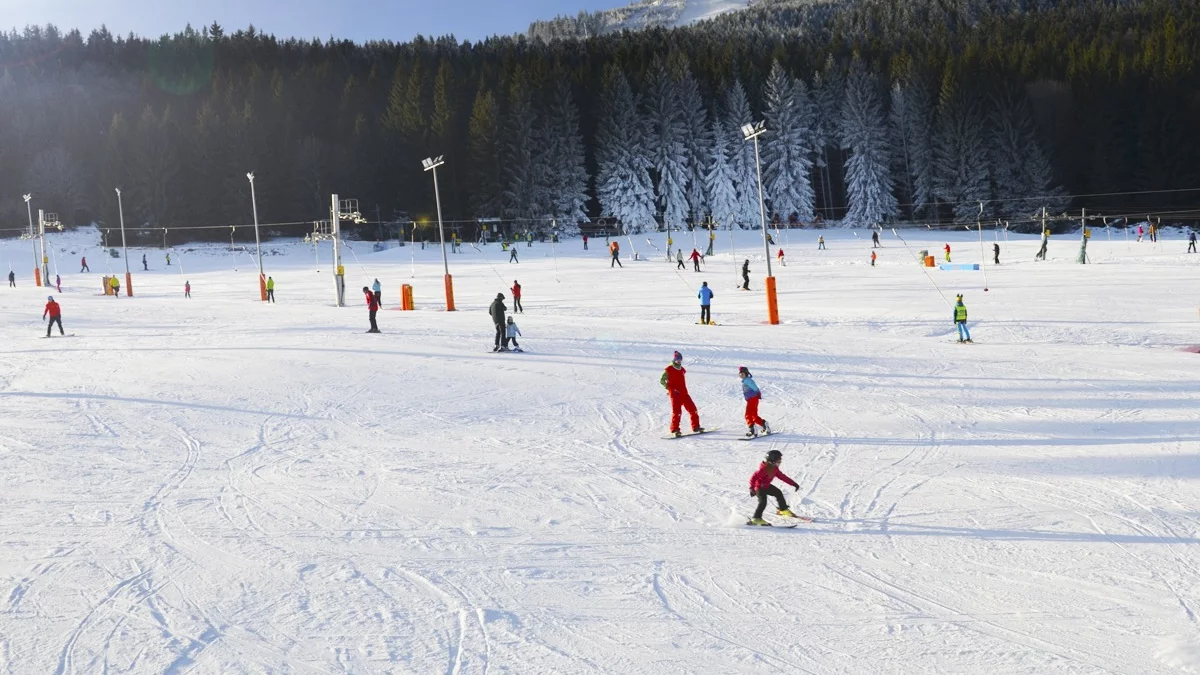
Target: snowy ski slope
<point x="222" y="486"/>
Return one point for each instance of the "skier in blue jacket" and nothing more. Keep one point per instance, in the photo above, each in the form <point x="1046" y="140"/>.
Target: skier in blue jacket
<point x="753" y="395"/>
<point x="706" y="296"/>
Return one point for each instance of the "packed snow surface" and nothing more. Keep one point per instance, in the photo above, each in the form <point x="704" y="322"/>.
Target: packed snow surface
<point x="218" y="485"/>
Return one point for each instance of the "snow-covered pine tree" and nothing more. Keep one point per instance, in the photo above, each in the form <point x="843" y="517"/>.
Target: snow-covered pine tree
<point x="827" y="92"/>
<point x="698" y="136"/>
<point x="864" y="133"/>
<point x="912" y="111"/>
<point x="566" y="177"/>
<point x="622" y="169"/>
<point x="484" y="171"/>
<point x="1020" y="169"/>
<point x="959" y="152"/>
<point x="720" y="180"/>
<point x="741" y="158"/>
<point x="787" y="146"/>
<point x="520" y="173"/>
<point x="665" y="144"/>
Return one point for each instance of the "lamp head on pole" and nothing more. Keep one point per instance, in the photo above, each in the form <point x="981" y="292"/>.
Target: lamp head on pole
<point x="431" y="163"/>
<point x="251" y="177"/>
<point x="28" y="197"/>
<point x="752" y="131"/>
<point x="118" y="191"/>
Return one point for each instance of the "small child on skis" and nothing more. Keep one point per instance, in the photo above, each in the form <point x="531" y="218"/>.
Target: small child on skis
<point x="511" y="332"/>
<point x="753" y="395"/>
<point x="760" y="487"/>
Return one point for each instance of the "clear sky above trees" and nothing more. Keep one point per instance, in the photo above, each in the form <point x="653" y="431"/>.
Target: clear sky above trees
<point x="357" y="20"/>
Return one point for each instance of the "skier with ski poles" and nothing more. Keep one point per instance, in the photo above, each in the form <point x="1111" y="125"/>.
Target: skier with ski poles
<point x="516" y="291"/>
<point x="760" y="487"/>
<point x="674" y="380"/>
<point x="55" y="313"/>
<point x="695" y="257"/>
<point x="960" y="320"/>
<point x="706" y="296"/>
<point x="753" y="396"/>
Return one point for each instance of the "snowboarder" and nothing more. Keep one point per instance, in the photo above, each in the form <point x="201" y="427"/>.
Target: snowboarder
<point x="679" y="259"/>
<point x="615" y="249"/>
<point x="58" y="283"/>
<point x="510" y="334"/>
<point x="753" y="396"/>
<point x="760" y="487"/>
<point x="821" y="243"/>
<point x="695" y="260"/>
<point x="497" y="309"/>
<point x="947" y="252"/>
<point x="746" y="275"/>
<point x="706" y="296"/>
<point x="187" y="289"/>
<point x="516" y="291"/>
<point x="377" y="289"/>
<point x="781" y="261"/>
<point x="372" y="308"/>
<point x="674" y="380"/>
<point x="512" y="255"/>
<point x="872" y="258"/>
<point x="996" y="253"/>
<point x="55" y="313"/>
<point x="875" y="239"/>
<point x="145" y="265"/>
<point x="1041" y="254"/>
<point x="960" y="320"/>
<point x="270" y="289"/>
<point x="115" y="284"/>
<point x="585" y="242"/>
<point x="12" y="279"/>
<point x="1192" y="241"/>
<point x="83" y="266"/>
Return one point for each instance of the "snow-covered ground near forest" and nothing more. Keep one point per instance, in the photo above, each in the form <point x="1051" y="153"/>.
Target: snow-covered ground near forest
<point x="216" y="485"/>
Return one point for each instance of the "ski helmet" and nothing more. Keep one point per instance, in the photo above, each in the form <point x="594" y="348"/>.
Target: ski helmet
<point x="677" y="358"/>
<point x="774" y="457"/>
<point x="50" y="298"/>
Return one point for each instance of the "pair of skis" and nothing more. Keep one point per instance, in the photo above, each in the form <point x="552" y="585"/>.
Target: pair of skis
<point x="784" y="522"/>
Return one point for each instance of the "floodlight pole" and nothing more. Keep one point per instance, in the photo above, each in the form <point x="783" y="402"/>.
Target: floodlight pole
<point x="339" y="272"/>
<point x="124" y="248"/>
<point x="751" y="133"/>
<point x="262" y="278"/>
<point x="431" y="164"/>
<point x="36" y="267"/>
<point x="42" y="241"/>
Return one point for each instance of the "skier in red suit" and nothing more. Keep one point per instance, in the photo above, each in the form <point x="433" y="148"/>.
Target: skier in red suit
<point x="675" y="382"/>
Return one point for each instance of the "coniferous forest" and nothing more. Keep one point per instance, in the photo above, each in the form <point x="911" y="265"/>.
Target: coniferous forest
<point x="877" y="111"/>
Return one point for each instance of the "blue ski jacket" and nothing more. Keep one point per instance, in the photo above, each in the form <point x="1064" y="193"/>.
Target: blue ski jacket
<point x="705" y="295"/>
<point x="749" y="389"/>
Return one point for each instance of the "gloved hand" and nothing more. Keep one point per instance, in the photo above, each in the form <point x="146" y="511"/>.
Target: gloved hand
<point x="753" y="493"/>
<point x="797" y="489"/>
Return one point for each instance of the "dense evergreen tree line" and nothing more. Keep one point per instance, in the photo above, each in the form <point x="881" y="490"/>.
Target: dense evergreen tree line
<point x="876" y="110"/>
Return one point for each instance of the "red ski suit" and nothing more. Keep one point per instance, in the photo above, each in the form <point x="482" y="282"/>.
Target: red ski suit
<point x="766" y="473"/>
<point x="676" y="386"/>
<point x="52" y="309"/>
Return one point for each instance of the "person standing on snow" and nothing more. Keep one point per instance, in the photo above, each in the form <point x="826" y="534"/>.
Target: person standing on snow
<point x="674" y="380"/>
<point x="695" y="260"/>
<point x="947" y="252"/>
<point x="512" y="255"/>
<point x="615" y="249"/>
<point x="377" y="289"/>
<point x="996" y="253"/>
<point x="960" y="320"/>
<point x="55" y="313"/>
<point x="12" y="279"/>
<point x="585" y="242"/>
<point x="168" y="260"/>
<point x="821" y="242"/>
<point x="270" y="289"/>
<point x="746" y="275"/>
<point x="516" y="291"/>
<point x="83" y="267"/>
<point x="115" y="284"/>
<point x="58" y="283"/>
<point x="1041" y="254"/>
<point x="760" y="487"/>
<point x="875" y="239"/>
<point x="187" y="289"/>
<point x="510" y="334"/>
<point x="780" y="256"/>
<point x="753" y="396"/>
<point x="1192" y="241"/>
<point x="872" y="258"/>
<point x="1140" y="232"/>
<point x="706" y="296"/>
<point x="679" y="259"/>
<point x="497" y="309"/>
<point x="372" y="308"/>
<point x="145" y="265"/>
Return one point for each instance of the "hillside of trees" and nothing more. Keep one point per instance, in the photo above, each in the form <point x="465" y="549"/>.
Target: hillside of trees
<point x="876" y="111"/>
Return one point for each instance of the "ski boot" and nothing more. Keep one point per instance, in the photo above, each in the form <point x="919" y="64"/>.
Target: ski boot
<point x="698" y="430"/>
<point x="751" y="433"/>
<point x="786" y="513"/>
<point x="758" y="521"/>
<point x="677" y="433"/>
<point x="766" y="428"/>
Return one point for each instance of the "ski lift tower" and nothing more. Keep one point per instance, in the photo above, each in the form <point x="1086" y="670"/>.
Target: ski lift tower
<point x="37" y="274"/>
<point x="46" y="220"/>
<point x="343" y="209"/>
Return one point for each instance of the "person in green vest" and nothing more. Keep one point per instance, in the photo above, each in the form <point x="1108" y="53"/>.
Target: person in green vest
<point x="960" y="320"/>
<point x="270" y="289"/>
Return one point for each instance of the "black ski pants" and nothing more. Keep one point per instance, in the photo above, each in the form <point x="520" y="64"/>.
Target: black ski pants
<point x="680" y="266"/>
<point x="705" y="313"/>
<point x="745" y="282"/>
<point x="1191" y="247"/>
<point x="769" y="491"/>
<point x="270" y="295"/>
<point x="55" y="320"/>
<point x="371" y="317"/>
<point x="517" y="304"/>
<point x="501" y="335"/>
<point x="615" y="261"/>
<point x="696" y="264"/>
<point x="379" y="298"/>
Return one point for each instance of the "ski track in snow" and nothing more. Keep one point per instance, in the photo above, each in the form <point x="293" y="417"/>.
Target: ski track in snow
<point x="220" y="486"/>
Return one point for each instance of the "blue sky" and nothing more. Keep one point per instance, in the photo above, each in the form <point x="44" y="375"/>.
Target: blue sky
<point x="354" y="19"/>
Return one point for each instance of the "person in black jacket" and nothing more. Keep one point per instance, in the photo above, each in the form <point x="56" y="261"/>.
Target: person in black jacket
<point x="497" y="310"/>
<point x="746" y="276"/>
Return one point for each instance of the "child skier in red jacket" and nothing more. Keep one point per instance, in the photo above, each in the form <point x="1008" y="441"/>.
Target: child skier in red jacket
<point x="760" y="486"/>
<point x="674" y="381"/>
